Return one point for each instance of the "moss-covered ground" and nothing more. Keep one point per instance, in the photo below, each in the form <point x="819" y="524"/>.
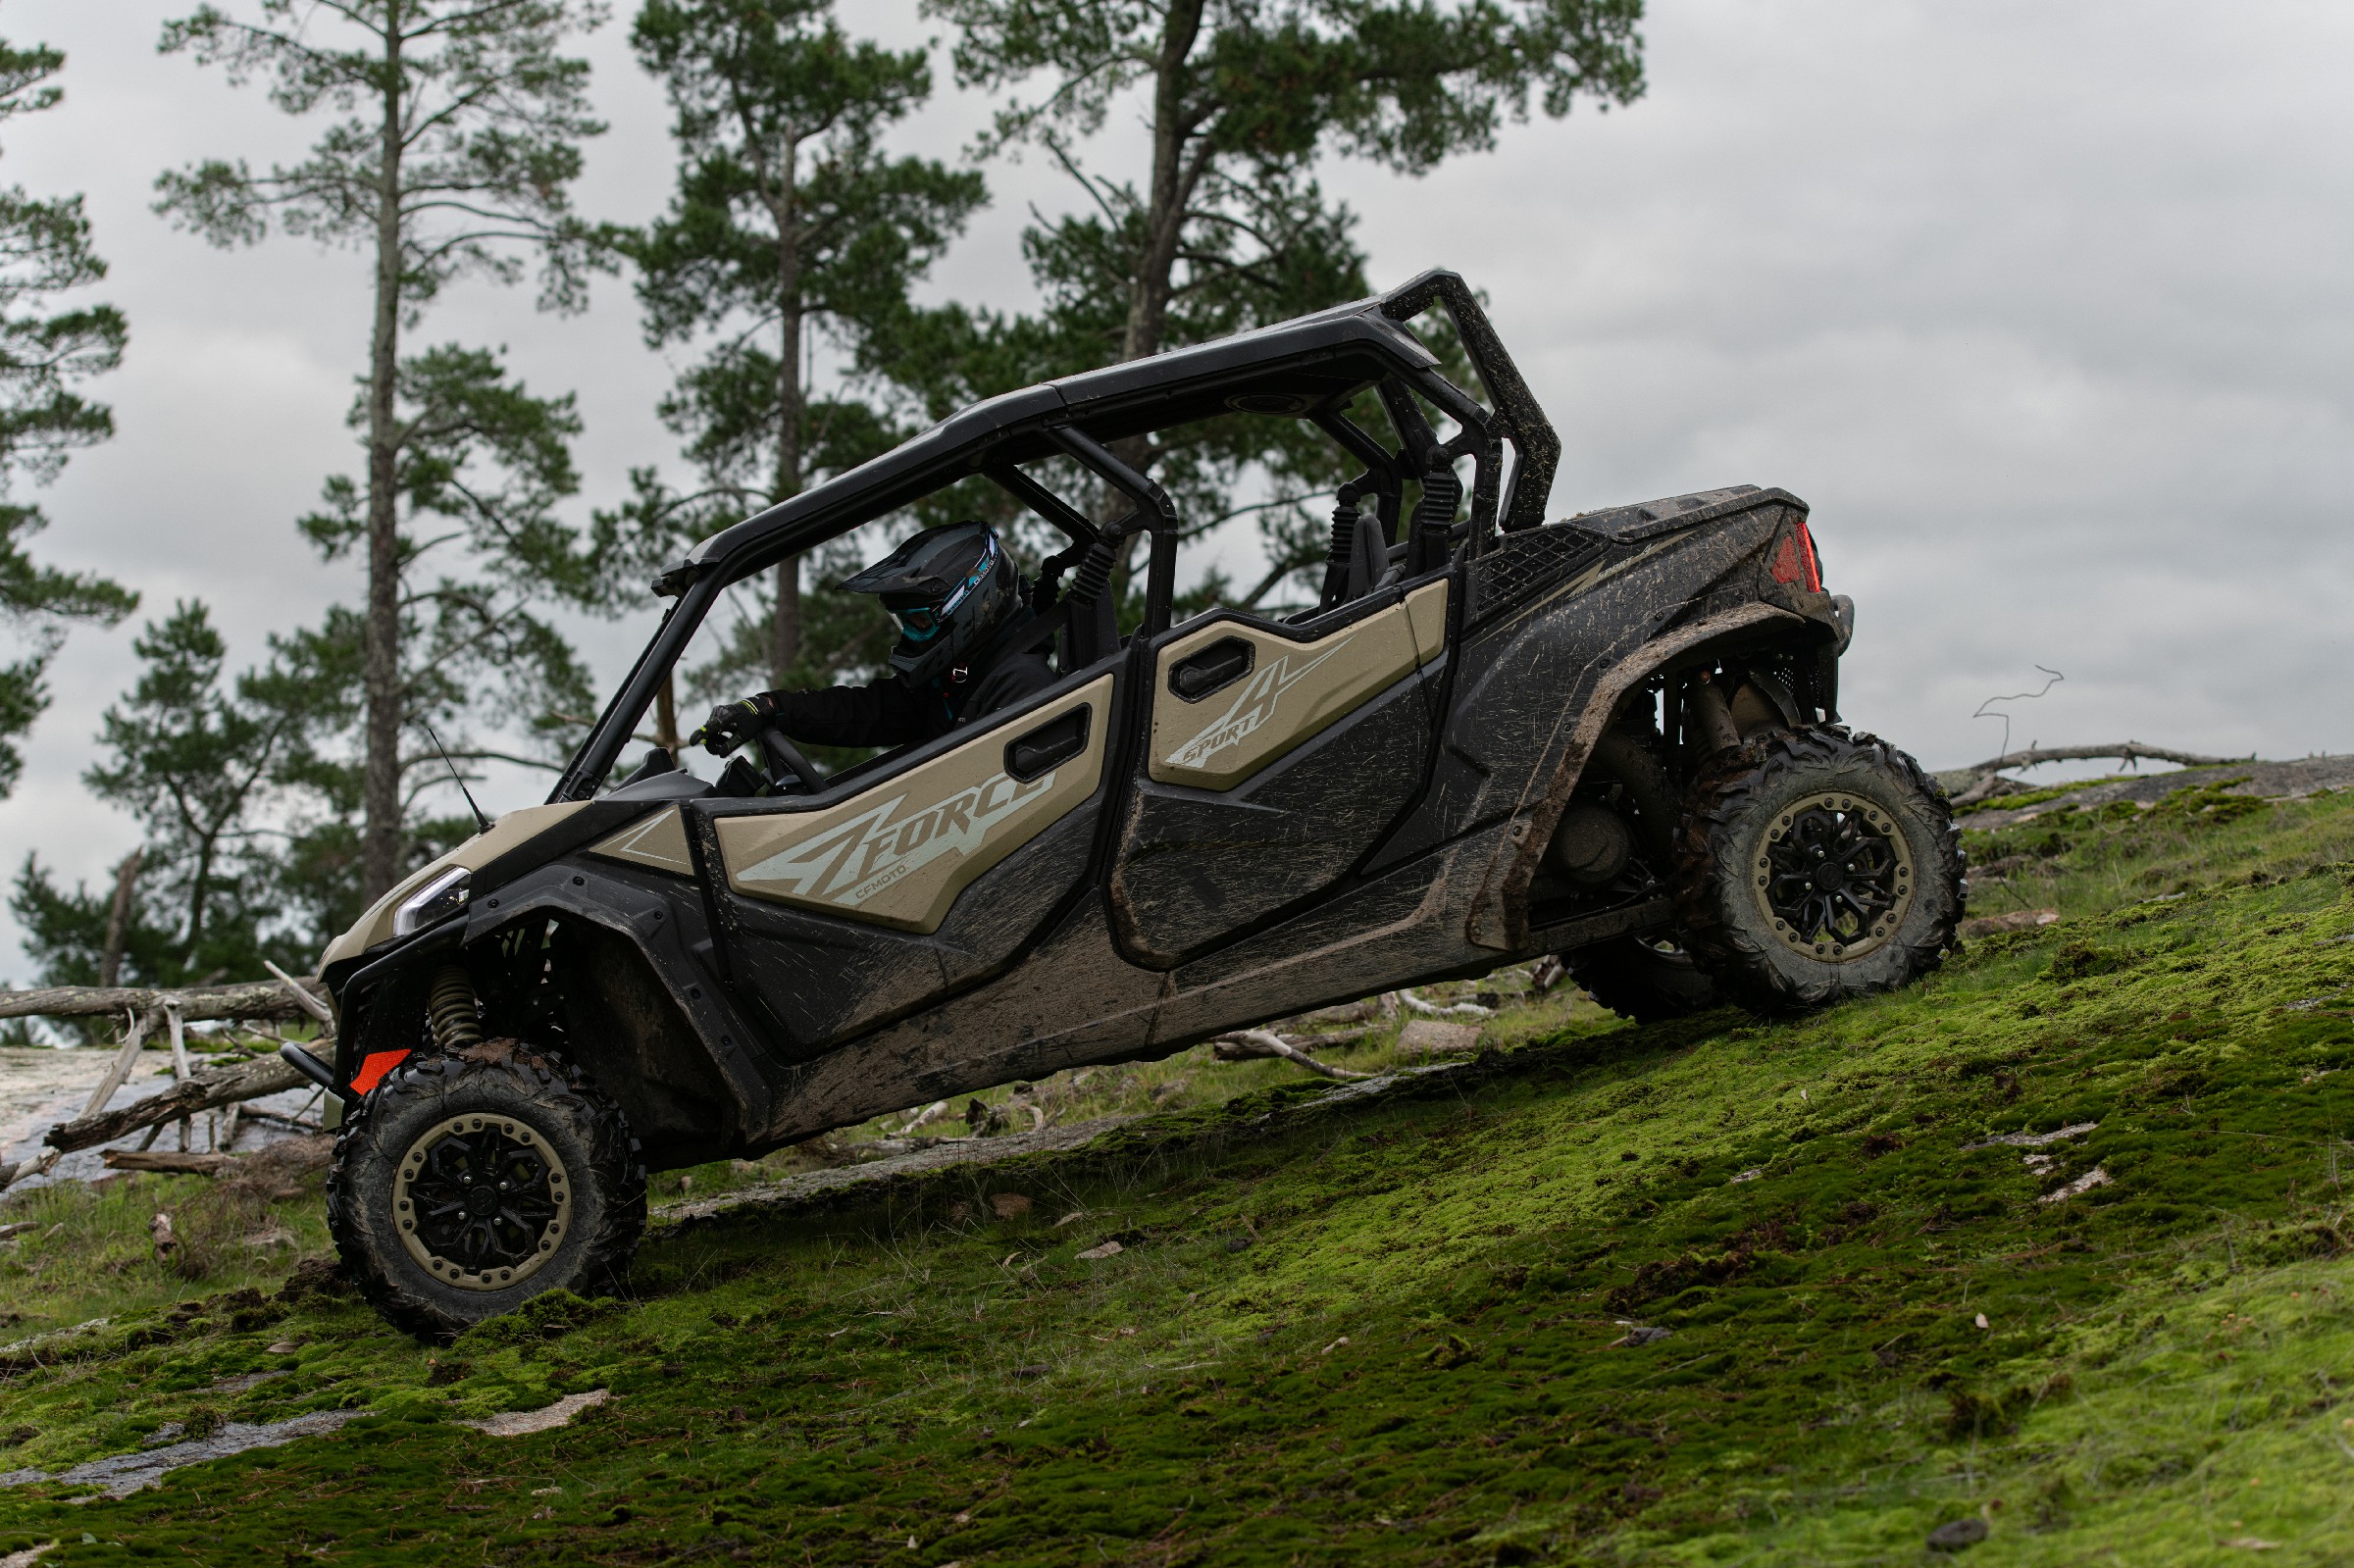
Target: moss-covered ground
<point x="1421" y="1324"/>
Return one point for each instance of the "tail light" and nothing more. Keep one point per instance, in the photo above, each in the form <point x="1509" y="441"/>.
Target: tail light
<point x="1794" y="560"/>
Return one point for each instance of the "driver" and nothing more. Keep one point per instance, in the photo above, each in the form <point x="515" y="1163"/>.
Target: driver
<point x="961" y="652"/>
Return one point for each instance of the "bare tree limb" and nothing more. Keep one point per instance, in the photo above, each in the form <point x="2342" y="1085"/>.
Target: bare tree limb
<point x="303" y="997"/>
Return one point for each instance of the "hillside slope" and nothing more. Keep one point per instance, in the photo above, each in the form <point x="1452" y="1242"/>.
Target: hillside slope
<point x="1715" y="1291"/>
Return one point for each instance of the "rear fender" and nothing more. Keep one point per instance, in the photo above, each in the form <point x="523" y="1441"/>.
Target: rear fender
<point x="1498" y="917"/>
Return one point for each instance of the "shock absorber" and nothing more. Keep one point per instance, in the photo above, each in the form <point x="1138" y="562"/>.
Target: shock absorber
<point x="450" y="1010"/>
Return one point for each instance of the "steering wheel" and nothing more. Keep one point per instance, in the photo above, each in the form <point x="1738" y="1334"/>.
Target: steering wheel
<point x="788" y="771"/>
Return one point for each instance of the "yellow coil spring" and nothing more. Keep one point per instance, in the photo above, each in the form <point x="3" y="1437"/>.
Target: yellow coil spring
<point x="450" y="1011"/>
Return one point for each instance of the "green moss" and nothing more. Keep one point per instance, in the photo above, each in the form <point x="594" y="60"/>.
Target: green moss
<point x="1399" y="1327"/>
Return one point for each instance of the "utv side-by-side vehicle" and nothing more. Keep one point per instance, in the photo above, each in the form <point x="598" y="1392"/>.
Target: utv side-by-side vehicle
<point x="1493" y="737"/>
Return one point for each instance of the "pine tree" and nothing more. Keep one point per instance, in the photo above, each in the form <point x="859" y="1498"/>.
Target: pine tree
<point x="199" y="758"/>
<point x="457" y="134"/>
<point x="790" y="222"/>
<point x="1227" y="228"/>
<point x="44" y="250"/>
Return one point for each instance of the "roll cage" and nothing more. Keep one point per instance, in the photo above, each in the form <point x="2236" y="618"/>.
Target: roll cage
<point x="1311" y="368"/>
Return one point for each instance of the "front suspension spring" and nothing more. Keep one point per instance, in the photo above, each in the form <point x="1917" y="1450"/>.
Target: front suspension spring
<point x="450" y="1010"/>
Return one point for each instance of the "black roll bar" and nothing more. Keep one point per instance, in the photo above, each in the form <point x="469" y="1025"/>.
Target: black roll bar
<point x="1537" y="449"/>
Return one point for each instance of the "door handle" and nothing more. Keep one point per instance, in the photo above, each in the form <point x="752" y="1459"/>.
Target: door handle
<point x="1032" y="755"/>
<point x="1221" y="663"/>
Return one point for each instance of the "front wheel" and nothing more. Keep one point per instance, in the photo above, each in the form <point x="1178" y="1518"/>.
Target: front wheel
<point x="1813" y="866"/>
<point x="465" y="1185"/>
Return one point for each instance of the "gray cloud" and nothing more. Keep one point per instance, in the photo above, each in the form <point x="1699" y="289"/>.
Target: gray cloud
<point x="2041" y="308"/>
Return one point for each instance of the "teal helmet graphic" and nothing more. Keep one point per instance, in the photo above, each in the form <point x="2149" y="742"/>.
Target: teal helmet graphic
<point x="949" y="590"/>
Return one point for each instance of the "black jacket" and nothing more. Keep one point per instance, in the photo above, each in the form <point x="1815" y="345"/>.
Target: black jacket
<point x="892" y="713"/>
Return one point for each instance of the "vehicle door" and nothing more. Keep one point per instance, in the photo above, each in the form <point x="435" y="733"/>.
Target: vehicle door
<point x="1276" y="757"/>
<point x="881" y="894"/>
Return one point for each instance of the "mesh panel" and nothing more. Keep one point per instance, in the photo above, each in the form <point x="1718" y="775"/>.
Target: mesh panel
<point x="1522" y="566"/>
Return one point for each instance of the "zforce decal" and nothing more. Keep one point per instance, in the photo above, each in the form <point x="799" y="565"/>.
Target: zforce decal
<point x="884" y="847"/>
<point x="1251" y="707"/>
<point x="1294" y="691"/>
<point x="898" y="853"/>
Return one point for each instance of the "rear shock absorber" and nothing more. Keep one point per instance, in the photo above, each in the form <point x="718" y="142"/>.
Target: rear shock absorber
<point x="450" y="1010"/>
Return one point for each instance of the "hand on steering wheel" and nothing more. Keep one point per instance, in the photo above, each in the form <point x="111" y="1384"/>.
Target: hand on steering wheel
<point x="789" y="771"/>
<point x="730" y="726"/>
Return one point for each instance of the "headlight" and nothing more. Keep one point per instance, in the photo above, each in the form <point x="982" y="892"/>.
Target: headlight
<point x="436" y="901"/>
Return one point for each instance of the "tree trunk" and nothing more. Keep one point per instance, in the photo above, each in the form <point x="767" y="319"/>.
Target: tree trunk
<point x="381" y="846"/>
<point x="785" y="630"/>
<point x="201" y="886"/>
<point x="1164" y="224"/>
<point x="118" y="919"/>
<point x="666" y="714"/>
<point x="1164" y="217"/>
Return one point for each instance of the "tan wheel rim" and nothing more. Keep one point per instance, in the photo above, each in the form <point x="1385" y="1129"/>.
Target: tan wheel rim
<point x="1833" y="876"/>
<point x="482" y="1202"/>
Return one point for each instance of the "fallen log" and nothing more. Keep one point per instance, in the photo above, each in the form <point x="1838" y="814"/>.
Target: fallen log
<point x="1988" y="782"/>
<point x="206" y="1088"/>
<point x="2126" y="751"/>
<point x="281" y="1162"/>
<point x="270" y="999"/>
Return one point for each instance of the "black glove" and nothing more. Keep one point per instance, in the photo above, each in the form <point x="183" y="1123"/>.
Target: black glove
<point x="731" y="725"/>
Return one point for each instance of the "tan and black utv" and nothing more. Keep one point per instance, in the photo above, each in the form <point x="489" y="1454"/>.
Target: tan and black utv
<point x="1493" y="737"/>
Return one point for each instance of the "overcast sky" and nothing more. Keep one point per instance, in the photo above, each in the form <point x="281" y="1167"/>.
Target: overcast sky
<point x="2041" y="307"/>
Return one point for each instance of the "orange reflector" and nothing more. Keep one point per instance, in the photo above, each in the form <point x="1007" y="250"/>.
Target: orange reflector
<point x="374" y="1067"/>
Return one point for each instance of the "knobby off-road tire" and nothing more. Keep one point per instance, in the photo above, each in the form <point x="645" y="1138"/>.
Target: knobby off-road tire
<point x="1811" y="866"/>
<point x="1638" y="978"/>
<point x="465" y="1185"/>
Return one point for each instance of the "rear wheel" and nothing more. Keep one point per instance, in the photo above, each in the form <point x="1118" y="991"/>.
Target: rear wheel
<point x="465" y="1185"/>
<point x="1813" y="866"/>
<point x="1649" y="979"/>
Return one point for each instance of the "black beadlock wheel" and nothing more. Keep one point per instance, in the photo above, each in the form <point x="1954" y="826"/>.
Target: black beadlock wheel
<point x="1813" y="866"/>
<point x="1647" y="979"/>
<point x="465" y="1185"/>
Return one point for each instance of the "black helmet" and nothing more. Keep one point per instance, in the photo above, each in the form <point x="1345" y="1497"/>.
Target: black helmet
<point x="950" y="588"/>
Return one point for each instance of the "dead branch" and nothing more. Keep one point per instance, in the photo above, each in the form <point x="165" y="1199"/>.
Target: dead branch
<point x="172" y="1162"/>
<point x="39" y="1165"/>
<point x="321" y="1013"/>
<point x="1248" y="1043"/>
<point x="1453" y="1010"/>
<point x="206" y="1088"/>
<point x="196" y="1003"/>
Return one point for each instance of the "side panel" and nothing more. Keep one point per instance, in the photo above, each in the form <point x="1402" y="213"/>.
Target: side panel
<point x="838" y="917"/>
<point x="823" y="979"/>
<point x="1195" y="864"/>
<point x="1292" y="693"/>
<point x="1267" y="787"/>
<point x="897" y="854"/>
<point x="1070" y="1000"/>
